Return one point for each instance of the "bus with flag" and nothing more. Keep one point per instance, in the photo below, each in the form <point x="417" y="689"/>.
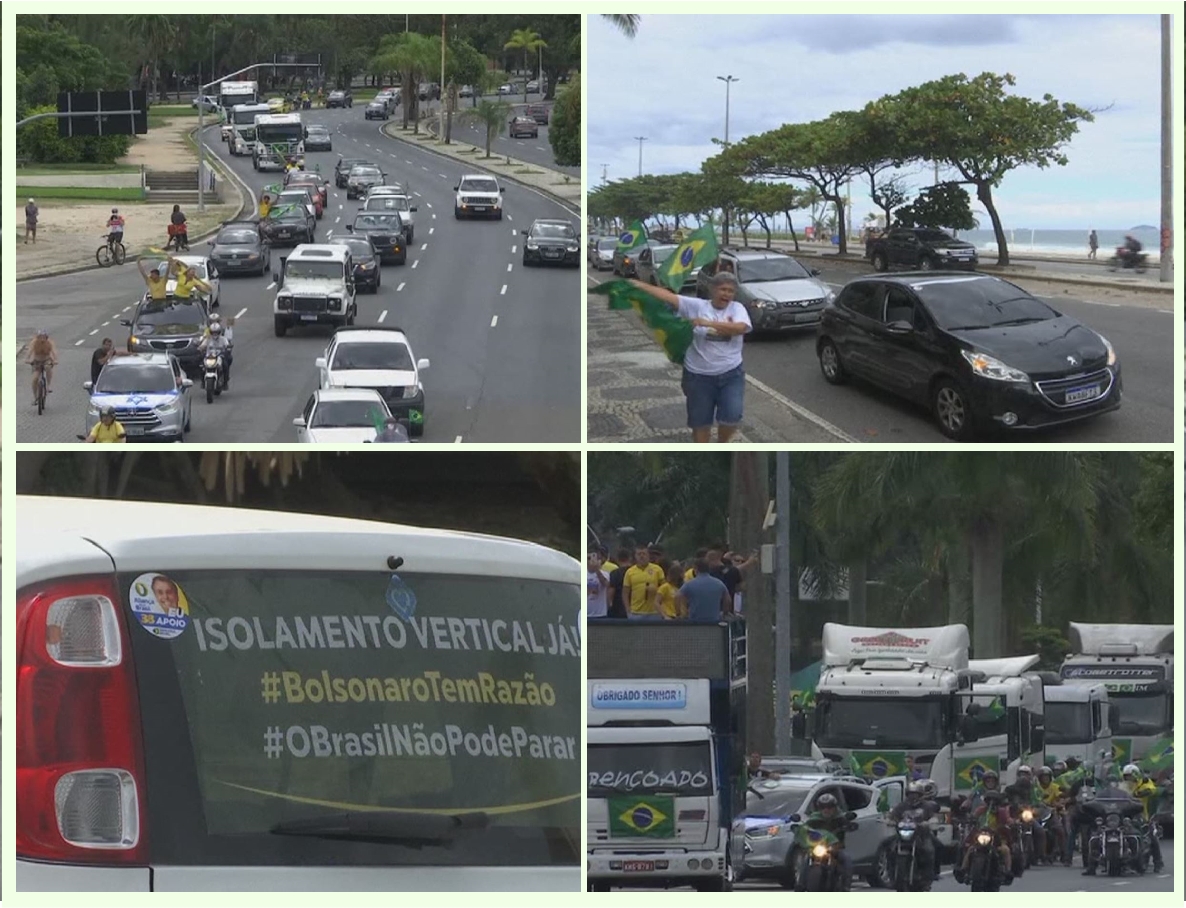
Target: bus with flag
<point x="1135" y="662"/>
<point x="665" y="752"/>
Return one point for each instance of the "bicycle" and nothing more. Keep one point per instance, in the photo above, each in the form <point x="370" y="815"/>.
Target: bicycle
<point x="111" y="252"/>
<point x="42" y="388"/>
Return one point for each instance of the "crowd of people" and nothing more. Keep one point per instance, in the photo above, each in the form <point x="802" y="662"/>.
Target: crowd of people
<point x="645" y="582"/>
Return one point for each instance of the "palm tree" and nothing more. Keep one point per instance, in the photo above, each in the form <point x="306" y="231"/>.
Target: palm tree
<point x="411" y="55"/>
<point x="627" y="25"/>
<point x="490" y="114"/>
<point x="529" y="42"/>
<point x="156" y="33"/>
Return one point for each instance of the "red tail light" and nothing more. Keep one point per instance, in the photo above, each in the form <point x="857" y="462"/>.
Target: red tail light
<point x="79" y="750"/>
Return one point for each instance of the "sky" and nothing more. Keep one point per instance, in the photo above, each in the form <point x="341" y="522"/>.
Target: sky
<point x="797" y="68"/>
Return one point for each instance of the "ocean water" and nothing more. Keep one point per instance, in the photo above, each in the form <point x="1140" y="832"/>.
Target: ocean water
<point x="1062" y="242"/>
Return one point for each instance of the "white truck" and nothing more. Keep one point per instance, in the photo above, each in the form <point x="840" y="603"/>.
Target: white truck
<point x="1135" y="662"/>
<point x="231" y="94"/>
<point x="665" y="756"/>
<point x="1078" y="720"/>
<point x="279" y="139"/>
<point x="242" y="128"/>
<point x="1012" y="707"/>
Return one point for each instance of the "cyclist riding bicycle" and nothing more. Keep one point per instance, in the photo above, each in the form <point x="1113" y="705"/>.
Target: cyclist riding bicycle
<point x="115" y="228"/>
<point x="107" y="430"/>
<point x="43" y="356"/>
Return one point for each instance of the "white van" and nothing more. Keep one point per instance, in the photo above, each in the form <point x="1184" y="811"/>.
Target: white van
<point x="216" y="699"/>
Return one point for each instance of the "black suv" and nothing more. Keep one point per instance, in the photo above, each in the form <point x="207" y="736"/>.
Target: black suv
<point x="344" y="166"/>
<point x="385" y="230"/>
<point x="551" y="241"/>
<point x="340" y="98"/>
<point x="169" y="326"/>
<point x="920" y="249"/>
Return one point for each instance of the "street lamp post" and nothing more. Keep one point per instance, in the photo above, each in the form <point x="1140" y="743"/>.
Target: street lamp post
<point x="728" y="80"/>
<point x="1167" y="152"/>
<point x="640" y="140"/>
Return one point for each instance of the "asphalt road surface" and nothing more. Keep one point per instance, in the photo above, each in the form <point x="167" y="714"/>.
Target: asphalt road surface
<point x="1143" y="338"/>
<point x="503" y="341"/>
<point x="533" y="151"/>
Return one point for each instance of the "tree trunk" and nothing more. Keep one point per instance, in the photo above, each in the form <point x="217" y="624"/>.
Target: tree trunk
<point x="959" y="593"/>
<point x="988" y="564"/>
<point x="791" y="227"/>
<point x="984" y="194"/>
<point x="749" y="495"/>
<point x="858" y="574"/>
<point x="841" y="225"/>
<point x="450" y="100"/>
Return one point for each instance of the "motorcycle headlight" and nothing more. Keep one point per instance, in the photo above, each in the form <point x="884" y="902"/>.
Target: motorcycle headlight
<point x="1111" y="351"/>
<point x="906" y="833"/>
<point x="984" y="838"/>
<point x="820" y="851"/>
<point x="987" y="366"/>
<point x="1027" y="815"/>
<point x="1112" y="821"/>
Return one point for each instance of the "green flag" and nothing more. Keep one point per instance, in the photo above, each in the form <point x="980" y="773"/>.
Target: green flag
<point x="883" y="804"/>
<point x="633" y="237"/>
<point x="877" y="764"/>
<point x="1161" y="757"/>
<point x="697" y="250"/>
<point x="642" y="816"/>
<point x="674" y="334"/>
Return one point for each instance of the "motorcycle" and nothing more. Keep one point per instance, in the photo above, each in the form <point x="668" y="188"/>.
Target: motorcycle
<point x="1025" y="830"/>
<point x="984" y="868"/>
<point x="1117" y="843"/>
<point x="1137" y="262"/>
<point x="909" y="876"/>
<point x="822" y="871"/>
<point x="213" y="376"/>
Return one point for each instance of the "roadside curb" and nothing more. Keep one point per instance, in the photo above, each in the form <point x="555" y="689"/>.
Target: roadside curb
<point x="569" y="204"/>
<point x="218" y="165"/>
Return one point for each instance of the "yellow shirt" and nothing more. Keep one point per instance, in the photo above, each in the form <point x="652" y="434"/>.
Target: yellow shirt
<point x="156" y="289"/>
<point x="186" y="287"/>
<point x="668" y="604"/>
<point x="106" y="434"/>
<point x="1049" y="794"/>
<point x="641" y="583"/>
<point x="689" y="574"/>
<point x="609" y="567"/>
<point x="264" y="208"/>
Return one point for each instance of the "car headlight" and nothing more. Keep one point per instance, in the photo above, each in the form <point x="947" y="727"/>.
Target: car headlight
<point x="167" y="407"/>
<point x="367" y="266"/>
<point x="335" y="302"/>
<point x="762" y="304"/>
<point x="532" y="244"/>
<point x="284" y="302"/>
<point x="1111" y="350"/>
<point x="987" y="366"/>
<point x="831" y="296"/>
<point x="572" y="247"/>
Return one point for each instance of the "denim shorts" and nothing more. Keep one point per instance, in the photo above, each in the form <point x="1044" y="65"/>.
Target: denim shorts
<point x="714" y="398"/>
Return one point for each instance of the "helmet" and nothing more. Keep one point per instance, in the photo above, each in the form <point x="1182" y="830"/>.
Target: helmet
<point x="917" y="787"/>
<point x="1045" y="771"/>
<point x="930" y="788"/>
<point x="1060" y="767"/>
<point x="216" y="328"/>
<point x="1132" y="770"/>
<point x="41" y="332"/>
<point x="215" y="318"/>
<point x="107" y="411"/>
<point x="825" y="801"/>
<point x="990" y="774"/>
<point x="115" y="211"/>
<point x="1024" y="770"/>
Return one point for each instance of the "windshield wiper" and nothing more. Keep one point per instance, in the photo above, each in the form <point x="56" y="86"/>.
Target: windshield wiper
<point x="415" y="830"/>
<point x="967" y="327"/>
<point x="1021" y="321"/>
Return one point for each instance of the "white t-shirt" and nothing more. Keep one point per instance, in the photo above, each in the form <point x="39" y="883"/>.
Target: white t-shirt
<point x="597" y="605"/>
<point x="712" y="353"/>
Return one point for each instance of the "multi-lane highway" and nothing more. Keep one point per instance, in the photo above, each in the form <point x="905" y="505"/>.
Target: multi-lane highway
<point x="503" y="341"/>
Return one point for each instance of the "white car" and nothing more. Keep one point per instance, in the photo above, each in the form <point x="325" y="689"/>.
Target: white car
<point x="507" y="89"/>
<point x="466" y="91"/>
<point x="478" y="196"/>
<point x="533" y="85"/>
<point x="378" y="358"/>
<point x="394" y="201"/>
<point x="205" y="270"/>
<point x="341" y="416"/>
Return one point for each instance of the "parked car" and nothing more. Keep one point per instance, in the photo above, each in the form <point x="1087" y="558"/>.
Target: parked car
<point x="625" y="261"/>
<point x="978" y="351"/>
<point x="650" y="259"/>
<point x="601" y="252"/>
<point x="778" y="293"/>
<point x="920" y="249"/>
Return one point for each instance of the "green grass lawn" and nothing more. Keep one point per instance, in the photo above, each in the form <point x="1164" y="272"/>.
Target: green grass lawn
<point x="45" y="170"/>
<point x="82" y="193"/>
<point x="177" y="110"/>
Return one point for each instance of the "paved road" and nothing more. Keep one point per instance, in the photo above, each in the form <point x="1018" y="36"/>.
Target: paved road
<point x="503" y="341"/>
<point x="534" y="151"/>
<point x="1143" y="338"/>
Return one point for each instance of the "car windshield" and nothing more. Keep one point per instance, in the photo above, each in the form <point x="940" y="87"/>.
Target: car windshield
<point x="240" y="236"/>
<point x="170" y="320"/>
<point x="776" y="802"/>
<point x="660" y="254"/>
<point x="778" y="268"/>
<point x="608" y="244"/>
<point x="479" y="185"/>
<point x="683" y="768"/>
<point x="129" y="378"/>
<point x="350" y="163"/>
<point x="361" y="248"/>
<point x="933" y="236"/>
<point x="553" y="231"/>
<point x="880" y="722"/>
<point x="963" y="303"/>
<point x="365" y="173"/>
<point x="341" y="414"/>
<point x="319" y="129"/>
<point x="294" y="198"/>
<point x="311" y="269"/>
<point x="397" y="716"/>
<point x="387" y="203"/>
<point x="1141" y="713"/>
<point x="372" y="355"/>
<point x="1067" y="723"/>
<point x="289" y="211"/>
<point x="385" y="221"/>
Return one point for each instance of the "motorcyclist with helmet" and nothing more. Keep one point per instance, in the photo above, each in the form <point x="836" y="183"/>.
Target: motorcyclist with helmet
<point x="1023" y="795"/>
<point x="1050" y="794"/>
<point x="828" y="817"/>
<point x="1148" y="793"/>
<point x="990" y="810"/>
<point x="918" y="799"/>
<point x="217" y="345"/>
<point x="1129" y="253"/>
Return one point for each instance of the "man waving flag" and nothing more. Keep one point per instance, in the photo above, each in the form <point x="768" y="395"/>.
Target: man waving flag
<point x="698" y="249"/>
<point x="632" y="238"/>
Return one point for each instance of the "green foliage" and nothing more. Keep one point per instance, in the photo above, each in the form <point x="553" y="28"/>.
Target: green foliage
<point x="564" y="133"/>
<point x="947" y="205"/>
<point x="1048" y="643"/>
<point x="491" y="115"/>
<point x="39" y="142"/>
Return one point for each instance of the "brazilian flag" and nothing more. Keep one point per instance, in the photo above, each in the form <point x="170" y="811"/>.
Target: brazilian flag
<point x="877" y="764"/>
<point x="632" y="237"/>
<point x="1122" y="751"/>
<point x="697" y="250"/>
<point x="883" y="804"/>
<point x="968" y="770"/>
<point x="995" y="709"/>
<point x="642" y="816"/>
<point x="1160" y="758"/>
<point x="674" y="334"/>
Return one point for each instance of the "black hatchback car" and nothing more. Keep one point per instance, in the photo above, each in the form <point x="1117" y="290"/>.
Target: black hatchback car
<point x="288" y="225"/>
<point x="978" y="351"/>
<point x="239" y="248"/>
<point x="367" y="271"/>
<point x="339" y="98"/>
<point x="385" y="232"/>
<point x="551" y="242"/>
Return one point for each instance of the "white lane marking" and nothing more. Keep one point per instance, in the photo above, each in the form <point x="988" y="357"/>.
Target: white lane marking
<point x="801" y="410"/>
<point x="93" y="333"/>
<point x="79" y="343"/>
<point x="430" y="230"/>
<point x="417" y="195"/>
<point x="125" y="308"/>
<point x="457" y="440"/>
<point x="510" y="266"/>
<point x="415" y="263"/>
<point x="270" y="286"/>
<point x="340" y="206"/>
<point x="400" y="287"/>
<point x="513" y="248"/>
<point x="442" y="176"/>
<point x="494" y="322"/>
<point x="509" y="218"/>
<point x="407" y="160"/>
<point x="382" y="316"/>
<point x="540" y="148"/>
<point x="422" y="167"/>
<point x="425" y="246"/>
<point x="328" y="234"/>
<point x="106" y="323"/>
<point x="434" y="217"/>
<point x="241" y="313"/>
<point x="429" y="204"/>
<point x="336" y="220"/>
<point x="503" y="291"/>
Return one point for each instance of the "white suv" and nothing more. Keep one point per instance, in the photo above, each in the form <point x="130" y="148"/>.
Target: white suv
<point x="478" y="196"/>
<point x="315" y="287"/>
<point x="378" y="358"/>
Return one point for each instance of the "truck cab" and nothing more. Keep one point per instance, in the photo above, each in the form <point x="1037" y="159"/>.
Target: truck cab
<point x="1078" y="720"/>
<point x="665" y="753"/>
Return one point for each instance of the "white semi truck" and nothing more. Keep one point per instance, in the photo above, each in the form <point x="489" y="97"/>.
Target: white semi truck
<point x="1078" y="720"/>
<point x="279" y="139"/>
<point x="1135" y="662"/>
<point x="231" y="94"/>
<point x="242" y="125"/>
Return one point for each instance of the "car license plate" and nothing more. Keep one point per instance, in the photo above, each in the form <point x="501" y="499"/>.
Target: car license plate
<point x="1078" y="395"/>
<point x="134" y="430"/>
<point x="638" y="866"/>
<point x="308" y="317"/>
<point x="551" y="254"/>
<point x="481" y="208"/>
<point x="806" y="317"/>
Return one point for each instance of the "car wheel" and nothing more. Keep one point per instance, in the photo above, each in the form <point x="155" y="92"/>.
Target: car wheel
<point x="411" y="236"/>
<point x="952" y="411"/>
<point x="879" y="262"/>
<point x="830" y="364"/>
<point x="498" y="217"/>
<point x="457" y="213"/>
<point x="281" y="326"/>
<point x="525" y="261"/>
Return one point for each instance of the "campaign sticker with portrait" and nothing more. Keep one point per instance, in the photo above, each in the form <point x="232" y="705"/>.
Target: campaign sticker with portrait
<point x="159" y="605"/>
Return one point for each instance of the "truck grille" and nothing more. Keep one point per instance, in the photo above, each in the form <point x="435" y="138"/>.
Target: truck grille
<point x="170" y="346"/>
<point x="310" y="304"/>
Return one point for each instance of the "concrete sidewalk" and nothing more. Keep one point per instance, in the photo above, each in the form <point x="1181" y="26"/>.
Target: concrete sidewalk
<point x="560" y="186"/>
<point x="634" y="394"/>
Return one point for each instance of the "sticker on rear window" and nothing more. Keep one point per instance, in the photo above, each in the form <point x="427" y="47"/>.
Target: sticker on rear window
<point x="401" y="598"/>
<point x="160" y="605"/>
